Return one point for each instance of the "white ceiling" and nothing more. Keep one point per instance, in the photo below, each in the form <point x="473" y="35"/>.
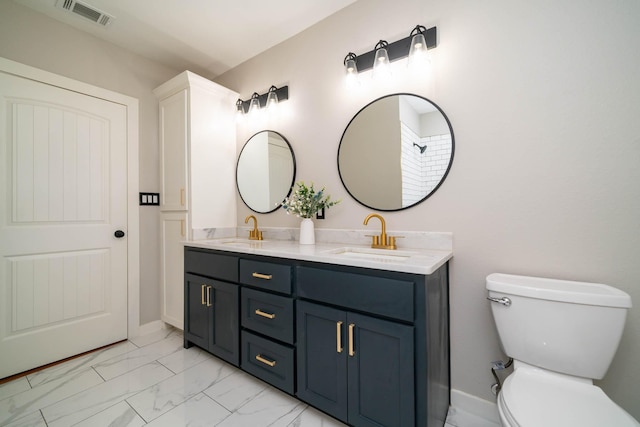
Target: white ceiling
<point x="201" y="35"/>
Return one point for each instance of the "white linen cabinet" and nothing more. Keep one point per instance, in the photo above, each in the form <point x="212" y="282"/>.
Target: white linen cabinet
<point x="197" y="138"/>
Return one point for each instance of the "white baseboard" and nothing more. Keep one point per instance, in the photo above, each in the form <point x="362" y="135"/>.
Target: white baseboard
<point x="148" y="328"/>
<point x="475" y="406"/>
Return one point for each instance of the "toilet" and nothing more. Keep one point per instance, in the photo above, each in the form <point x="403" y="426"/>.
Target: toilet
<point x="562" y="335"/>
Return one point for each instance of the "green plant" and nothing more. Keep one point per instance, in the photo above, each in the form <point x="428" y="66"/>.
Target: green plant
<point x="305" y="202"/>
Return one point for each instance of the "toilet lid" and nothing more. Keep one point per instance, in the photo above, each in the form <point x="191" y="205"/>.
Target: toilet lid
<point x="531" y="398"/>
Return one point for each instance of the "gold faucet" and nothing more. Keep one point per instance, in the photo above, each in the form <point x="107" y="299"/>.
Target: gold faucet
<point x="382" y="241"/>
<point x="254" y="234"/>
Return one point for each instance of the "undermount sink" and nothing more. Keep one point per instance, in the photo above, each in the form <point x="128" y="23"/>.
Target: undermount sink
<point x="241" y="242"/>
<point x="382" y="255"/>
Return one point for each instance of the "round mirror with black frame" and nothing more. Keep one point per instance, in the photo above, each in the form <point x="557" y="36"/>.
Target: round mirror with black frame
<point x="395" y="152"/>
<point x="266" y="171"/>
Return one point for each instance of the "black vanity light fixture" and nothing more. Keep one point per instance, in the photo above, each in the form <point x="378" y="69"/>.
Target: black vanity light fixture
<point x="414" y="46"/>
<point x="273" y="96"/>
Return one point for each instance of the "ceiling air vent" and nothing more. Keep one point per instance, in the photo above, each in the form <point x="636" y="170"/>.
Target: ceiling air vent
<point x="86" y="11"/>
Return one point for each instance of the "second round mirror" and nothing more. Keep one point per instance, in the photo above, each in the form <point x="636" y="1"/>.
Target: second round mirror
<point x="395" y="152"/>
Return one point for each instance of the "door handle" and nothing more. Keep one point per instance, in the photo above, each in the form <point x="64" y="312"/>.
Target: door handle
<point x="202" y="296"/>
<point x="265" y="314"/>
<point x="119" y="234"/>
<point x="261" y="359"/>
<point x="182" y="197"/>
<point x="352" y="351"/>
<point x="339" y="337"/>
<point x="208" y="296"/>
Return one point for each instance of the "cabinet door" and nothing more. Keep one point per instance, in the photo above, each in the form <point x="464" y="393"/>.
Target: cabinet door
<point x="224" y="335"/>
<point x="173" y="228"/>
<point x="173" y="152"/>
<point x="211" y="317"/>
<point x="381" y="372"/>
<point x="322" y="361"/>
<point x="196" y="311"/>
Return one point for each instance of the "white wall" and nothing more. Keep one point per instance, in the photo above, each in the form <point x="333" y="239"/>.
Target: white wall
<point x="33" y="39"/>
<point x="544" y="100"/>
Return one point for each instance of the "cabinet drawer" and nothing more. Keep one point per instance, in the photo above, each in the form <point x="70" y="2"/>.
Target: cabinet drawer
<point x="376" y="295"/>
<point x="268" y="314"/>
<point x="210" y="264"/>
<point x="268" y="360"/>
<point x="266" y="275"/>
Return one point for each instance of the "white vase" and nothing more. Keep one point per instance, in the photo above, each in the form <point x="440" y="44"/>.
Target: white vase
<point x="307" y="232"/>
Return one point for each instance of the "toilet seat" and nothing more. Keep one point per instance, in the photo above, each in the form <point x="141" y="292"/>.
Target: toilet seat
<point x="532" y="397"/>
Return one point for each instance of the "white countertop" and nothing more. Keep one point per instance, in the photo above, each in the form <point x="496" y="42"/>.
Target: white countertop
<point x="410" y="260"/>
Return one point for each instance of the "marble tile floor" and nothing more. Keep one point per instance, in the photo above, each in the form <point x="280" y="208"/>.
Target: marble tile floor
<point x="153" y="381"/>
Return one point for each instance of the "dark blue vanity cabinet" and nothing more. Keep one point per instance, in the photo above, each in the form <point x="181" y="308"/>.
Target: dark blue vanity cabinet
<point x="369" y="347"/>
<point x="211" y="297"/>
<point x="357" y="367"/>
<point x="267" y="318"/>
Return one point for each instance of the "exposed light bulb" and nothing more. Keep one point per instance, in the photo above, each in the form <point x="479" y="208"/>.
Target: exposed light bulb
<point x="272" y="98"/>
<point x="351" y="70"/>
<point x="254" y="105"/>
<point x="381" y="68"/>
<point x="418" y="53"/>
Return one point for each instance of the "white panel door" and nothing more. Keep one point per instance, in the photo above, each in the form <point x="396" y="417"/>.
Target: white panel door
<point x="63" y="195"/>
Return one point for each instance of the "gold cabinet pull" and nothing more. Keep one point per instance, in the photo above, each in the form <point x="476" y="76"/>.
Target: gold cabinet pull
<point x="182" y="227"/>
<point x="202" y="289"/>
<point x="352" y="351"/>
<point x="182" y="197"/>
<point x="264" y="314"/>
<point x="208" y="296"/>
<point x="271" y="363"/>
<point x="262" y="276"/>
<point x="339" y="337"/>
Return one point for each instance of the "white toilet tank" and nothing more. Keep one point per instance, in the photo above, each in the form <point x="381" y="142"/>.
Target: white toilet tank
<point x="568" y="327"/>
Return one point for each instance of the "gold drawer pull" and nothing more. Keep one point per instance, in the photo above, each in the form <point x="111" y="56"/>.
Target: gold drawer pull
<point x="263" y="314"/>
<point x="271" y="363"/>
<point x="352" y="351"/>
<point x="262" y="276"/>
<point x="339" y="337"/>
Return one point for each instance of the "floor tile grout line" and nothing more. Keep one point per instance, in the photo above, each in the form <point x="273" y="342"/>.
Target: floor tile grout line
<point x="63" y="382"/>
<point x="79" y="368"/>
<point x="43" y="418"/>
<point x="98" y="373"/>
<point x="190" y="397"/>
<point x="136" y="412"/>
<point x="229" y="411"/>
<point x="88" y="390"/>
<point x="26" y="377"/>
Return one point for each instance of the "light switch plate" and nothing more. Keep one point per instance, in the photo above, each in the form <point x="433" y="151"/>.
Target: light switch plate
<point x="149" y="199"/>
